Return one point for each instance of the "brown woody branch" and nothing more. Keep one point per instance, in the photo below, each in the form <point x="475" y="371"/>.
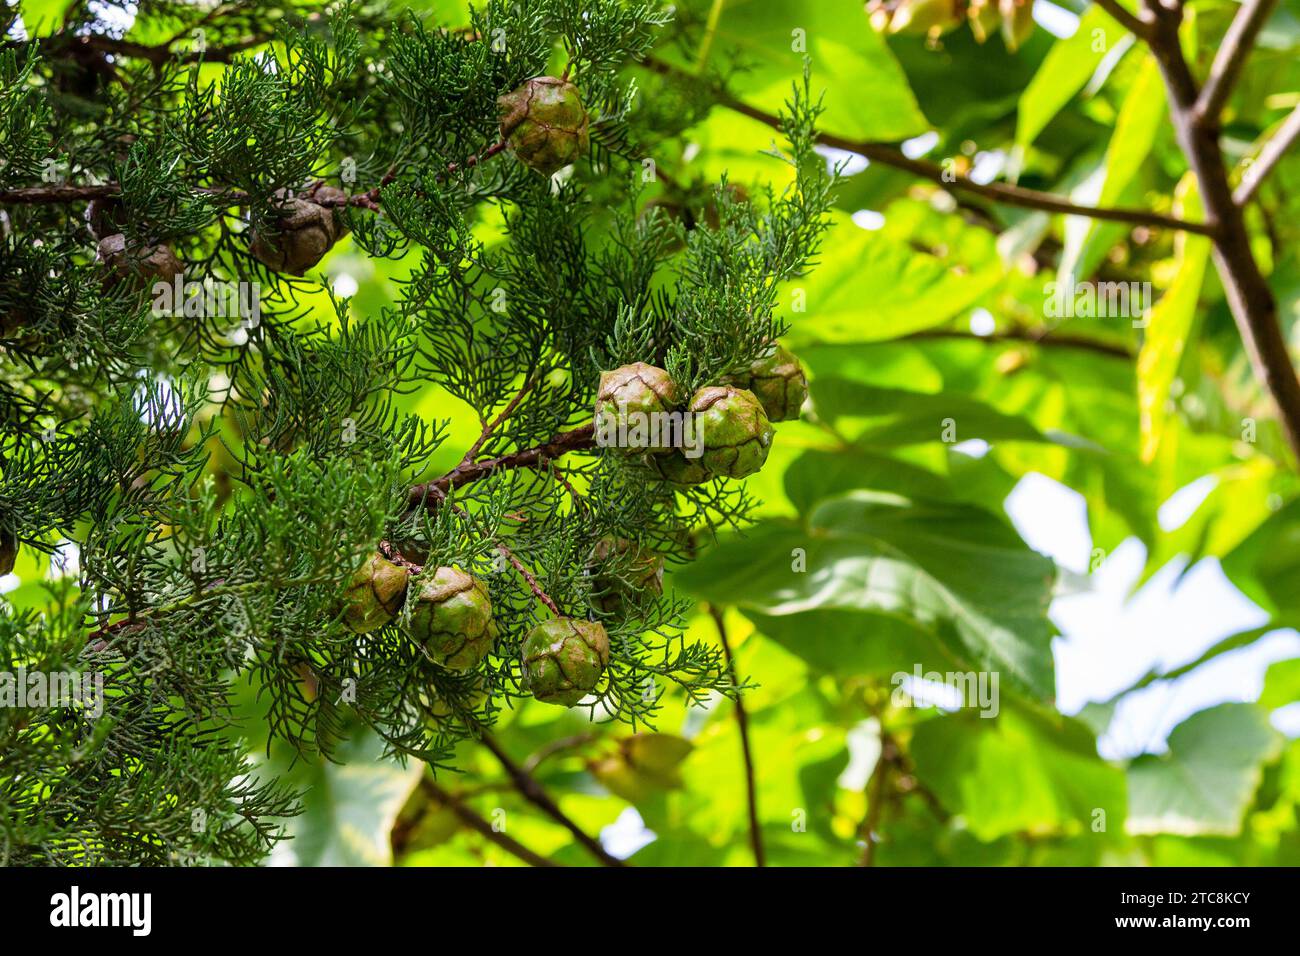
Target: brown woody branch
<point x="1003" y="193"/>
<point x="742" y="722"/>
<point x="431" y="493"/>
<point x="1236" y="46"/>
<point x="1254" y="309"/>
<point x="481" y="826"/>
<point x="1130" y="21"/>
<point x="1046" y="337"/>
<point x="536" y="794"/>
<point x="161" y="53"/>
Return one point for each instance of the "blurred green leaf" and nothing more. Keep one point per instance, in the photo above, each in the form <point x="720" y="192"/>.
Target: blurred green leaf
<point x="956" y="574"/>
<point x="1208" y="777"/>
<point x="1023" y="771"/>
<point x="846" y="55"/>
<point x="1066" y="70"/>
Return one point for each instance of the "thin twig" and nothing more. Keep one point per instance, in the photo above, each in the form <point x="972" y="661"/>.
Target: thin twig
<point x="742" y="721"/>
<point x="889" y="752"/>
<point x="554" y="747"/>
<point x="1269" y="157"/>
<point x="536" y="794"/>
<point x="431" y="493"/>
<point x="527" y="575"/>
<point x="1130" y="21"/>
<point x="1236" y="46"/>
<point x="1045" y="337"/>
<point x="478" y="824"/>
<point x="949" y="179"/>
<point x="491" y="425"/>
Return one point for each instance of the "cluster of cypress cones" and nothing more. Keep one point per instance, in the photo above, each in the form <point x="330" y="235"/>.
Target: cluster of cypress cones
<point x="731" y="432"/>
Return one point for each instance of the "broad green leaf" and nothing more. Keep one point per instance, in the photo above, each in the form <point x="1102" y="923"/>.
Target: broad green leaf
<point x="1232" y="642"/>
<point x="888" y="418"/>
<point x="847" y="57"/>
<point x="1137" y="128"/>
<point x="1019" y="772"/>
<point x="348" y="807"/>
<point x="1281" y="684"/>
<point x="1170" y="325"/>
<point x="871" y="286"/>
<point x="854" y="643"/>
<point x="43" y="17"/>
<point x="1139" y="123"/>
<point x="955" y="573"/>
<point x="1208" y="777"/>
<point x="1266" y="565"/>
<point x="1065" y="71"/>
<point x="816" y="475"/>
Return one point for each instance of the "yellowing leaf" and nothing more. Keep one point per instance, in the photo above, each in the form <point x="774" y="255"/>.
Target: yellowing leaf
<point x="1170" y="325"/>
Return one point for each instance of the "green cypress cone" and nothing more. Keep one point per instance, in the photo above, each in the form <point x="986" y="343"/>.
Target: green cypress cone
<point x="375" y="594"/>
<point x="639" y="574"/>
<point x="626" y="401"/>
<point x="452" y="618"/>
<point x="735" y="434"/>
<point x="545" y="123"/>
<point x="564" y="658"/>
<point x="777" y="381"/>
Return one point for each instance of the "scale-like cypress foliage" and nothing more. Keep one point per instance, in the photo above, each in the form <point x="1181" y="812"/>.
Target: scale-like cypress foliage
<point x="222" y="474"/>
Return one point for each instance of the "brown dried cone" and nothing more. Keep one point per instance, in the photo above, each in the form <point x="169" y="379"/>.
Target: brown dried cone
<point x="374" y="595"/>
<point x="11" y="321"/>
<point x="623" y="573"/>
<point x="564" y="659"/>
<point x="545" y="123"/>
<point x="733" y="433"/>
<point x="8" y="551"/>
<point x="628" y="400"/>
<point x="306" y="228"/>
<point x="105" y="217"/>
<point x="778" y="381"/>
<point x="139" y="265"/>
<point x="451" y="617"/>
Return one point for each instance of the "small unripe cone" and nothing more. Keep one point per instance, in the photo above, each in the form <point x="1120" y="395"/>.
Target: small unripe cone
<point x="626" y="399"/>
<point x="375" y="595"/>
<point x="545" y="123"/>
<point x="920" y="17"/>
<point x="8" y="551"/>
<point x="452" y="618"/>
<point x="303" y="232"/>
<point x="140" y="265"/>
<point x="636" y="573"/>
<point x="777" y="381"/>
<point x="1017" y="22"/>
<point x="564" y="659"/>
<point x="734" y="429"/>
